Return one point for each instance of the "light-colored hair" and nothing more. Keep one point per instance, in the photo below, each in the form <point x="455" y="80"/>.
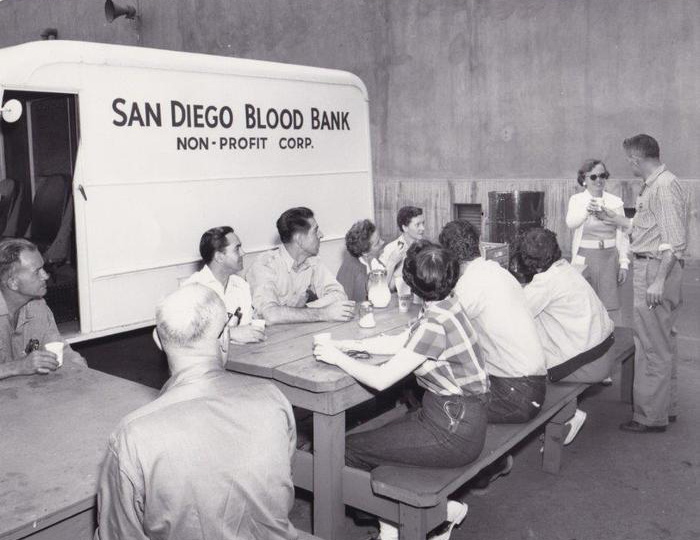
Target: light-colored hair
<point x="10" y="251"/>
<point x="190" y="314"/>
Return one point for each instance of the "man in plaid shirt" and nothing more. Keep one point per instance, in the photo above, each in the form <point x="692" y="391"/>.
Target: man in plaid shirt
<point x="659" y="232"/>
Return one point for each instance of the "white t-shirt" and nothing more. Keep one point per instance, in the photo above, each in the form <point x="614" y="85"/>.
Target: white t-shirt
<point x="570" y="317"/>
<point x="495" y="303"/>
<point x="236" y="294"/>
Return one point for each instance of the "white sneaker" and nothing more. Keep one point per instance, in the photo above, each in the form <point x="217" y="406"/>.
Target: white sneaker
<point x="576" y="422"/>
<point x="456" y="512"/>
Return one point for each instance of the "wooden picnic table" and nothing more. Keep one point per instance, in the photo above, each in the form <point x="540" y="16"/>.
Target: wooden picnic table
<point x="54" y="430"/>
<point x="286" y="358"/>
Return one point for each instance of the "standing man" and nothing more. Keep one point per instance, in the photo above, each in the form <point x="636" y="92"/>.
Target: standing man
<point x="26" y="322"/>
<point x="290" y="284"/>
<point x="222" y="255"/>
<point x="210" y="457"/>
<point x="659" y="231"/>
<point x="411" y="222"/>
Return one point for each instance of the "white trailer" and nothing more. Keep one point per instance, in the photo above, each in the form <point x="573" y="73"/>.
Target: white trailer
<point x="157" y="146"/>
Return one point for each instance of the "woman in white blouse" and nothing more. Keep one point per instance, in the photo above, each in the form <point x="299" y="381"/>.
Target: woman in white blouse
<point x="601" y="247"/>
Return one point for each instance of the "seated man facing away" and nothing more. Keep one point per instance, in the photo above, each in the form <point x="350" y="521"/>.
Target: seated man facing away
<point x="495" y="303"/>
<point x="290" y="284"/>
<point x="210" y="457"/>
<point x="573" y="324"/>
<point x="411" y="222"/>
<point x="222" y="255"/>
<point x="26" y="322"/>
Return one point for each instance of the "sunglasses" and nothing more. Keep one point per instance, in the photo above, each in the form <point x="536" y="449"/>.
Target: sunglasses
<point x="602" y="176"/>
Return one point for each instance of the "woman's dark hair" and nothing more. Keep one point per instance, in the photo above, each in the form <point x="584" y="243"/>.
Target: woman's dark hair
<point x="212" y="241"/>
<point x="538" y="250"/>
<point x="293" y="221"/>
<point x="358" y="238"/>
<point x="430" y="270"/>
<point x="406" y="214"/>
<point x="588" y="167"/>
<point x="461" y="238"/>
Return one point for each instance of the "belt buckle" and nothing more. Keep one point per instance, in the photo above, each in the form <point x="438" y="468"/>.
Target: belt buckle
<point x="601" y="244"/>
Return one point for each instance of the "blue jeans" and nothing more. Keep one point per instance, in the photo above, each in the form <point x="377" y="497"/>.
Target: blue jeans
<point x="446" y="431"/>
<point x="513" y="398"/>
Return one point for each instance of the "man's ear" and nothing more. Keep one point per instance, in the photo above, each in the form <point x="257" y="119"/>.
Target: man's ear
<point x="11" y="283"/>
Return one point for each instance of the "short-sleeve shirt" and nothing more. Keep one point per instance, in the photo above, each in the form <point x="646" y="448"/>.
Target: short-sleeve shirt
<point x="275" y="282"/>
<point x="454" y="365"/>
<point x="34" y="322"/>
<point x="236" y="294"/>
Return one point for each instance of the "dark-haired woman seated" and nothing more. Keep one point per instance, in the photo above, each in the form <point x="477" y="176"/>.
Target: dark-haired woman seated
<point x="363" y="244"/>
<point x="440" y="348"/>
<point x="573" y="324"/>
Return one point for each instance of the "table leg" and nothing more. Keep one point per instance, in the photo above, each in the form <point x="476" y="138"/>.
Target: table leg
<point x="329" y="460"/>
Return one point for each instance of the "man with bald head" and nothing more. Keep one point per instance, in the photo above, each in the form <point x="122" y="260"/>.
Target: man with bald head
<point x="210" y="457"/>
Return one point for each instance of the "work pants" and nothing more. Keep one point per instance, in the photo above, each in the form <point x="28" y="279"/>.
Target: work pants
<point x="655" y="394"/>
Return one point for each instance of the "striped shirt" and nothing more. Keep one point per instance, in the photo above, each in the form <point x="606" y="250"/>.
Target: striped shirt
<point x="454" y="364"/>
<point x="661" y="217"/>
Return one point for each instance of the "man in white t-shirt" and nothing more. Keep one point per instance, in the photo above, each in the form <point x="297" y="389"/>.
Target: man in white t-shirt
<point x="222" y="255"/>
<point x="495" y="303"/>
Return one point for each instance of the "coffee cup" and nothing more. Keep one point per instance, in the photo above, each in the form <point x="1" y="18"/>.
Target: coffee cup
<point x="56" y="347"/>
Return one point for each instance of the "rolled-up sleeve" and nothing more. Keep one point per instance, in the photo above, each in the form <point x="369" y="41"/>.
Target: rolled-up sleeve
<point x="263" y="285"/>
<point x="669" y="209"/>
<point x="325" y="284"/>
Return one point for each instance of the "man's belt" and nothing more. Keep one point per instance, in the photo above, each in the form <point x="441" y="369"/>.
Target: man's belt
<point x="598" y="244"/>
<point x="644" y="256"/>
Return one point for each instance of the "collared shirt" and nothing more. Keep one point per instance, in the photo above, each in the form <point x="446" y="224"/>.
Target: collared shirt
<point x="569" y="316"/>
<point x="454" y="365"/>
<point x="661" y="218"/>
<point x="390" y="252"/>
<point x="236" y="294"/>
<point x="34" y="322"/>
<point x="275" y="282"/>
<point x="209" y="458"/>
<point x="495" y="303"/>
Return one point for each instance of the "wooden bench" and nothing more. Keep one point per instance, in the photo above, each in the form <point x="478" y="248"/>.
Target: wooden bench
<point x="421" y="493"/>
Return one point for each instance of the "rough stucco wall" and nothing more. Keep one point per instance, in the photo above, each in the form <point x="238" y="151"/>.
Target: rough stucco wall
<point x="529" y="88"/>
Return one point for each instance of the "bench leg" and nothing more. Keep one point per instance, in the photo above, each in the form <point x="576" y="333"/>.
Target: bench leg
<point x="554" y="438"/>
<point x="413" y="523"/>
<point x="626" y="379"/>
<point x="329" y="460"/>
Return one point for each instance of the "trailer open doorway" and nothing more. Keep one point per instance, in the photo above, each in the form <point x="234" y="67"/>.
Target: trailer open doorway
<point x="37" y="163"/>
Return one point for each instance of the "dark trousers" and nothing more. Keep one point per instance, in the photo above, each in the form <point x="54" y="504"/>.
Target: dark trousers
<point x="515" y="400"/>
<point x="446" y="431"/>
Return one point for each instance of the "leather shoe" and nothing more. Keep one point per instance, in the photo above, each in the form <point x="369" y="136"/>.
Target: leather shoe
<point x="672" y="417"/>
<point x="635" y="427"/>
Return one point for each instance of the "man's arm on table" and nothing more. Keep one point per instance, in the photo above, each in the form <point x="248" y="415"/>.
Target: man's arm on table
<point x="265" y="300"/>
<point x="52" y="334"/>
<point x="34" y="362"/>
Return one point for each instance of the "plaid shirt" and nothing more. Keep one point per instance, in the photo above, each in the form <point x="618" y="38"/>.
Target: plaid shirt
<point x="660" y="222"/>
<point x="453" y="365"/>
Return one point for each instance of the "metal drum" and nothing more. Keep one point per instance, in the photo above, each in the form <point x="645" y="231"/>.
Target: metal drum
<point x="512" y="212"/>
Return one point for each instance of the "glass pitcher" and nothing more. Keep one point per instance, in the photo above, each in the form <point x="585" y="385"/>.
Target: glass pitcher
<point x="377" y="288"/>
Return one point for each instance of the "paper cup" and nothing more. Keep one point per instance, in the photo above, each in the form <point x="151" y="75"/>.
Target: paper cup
<point x="258" y="323"/>
<point x="56" y="347"/>
<point x="321" y="338"/>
